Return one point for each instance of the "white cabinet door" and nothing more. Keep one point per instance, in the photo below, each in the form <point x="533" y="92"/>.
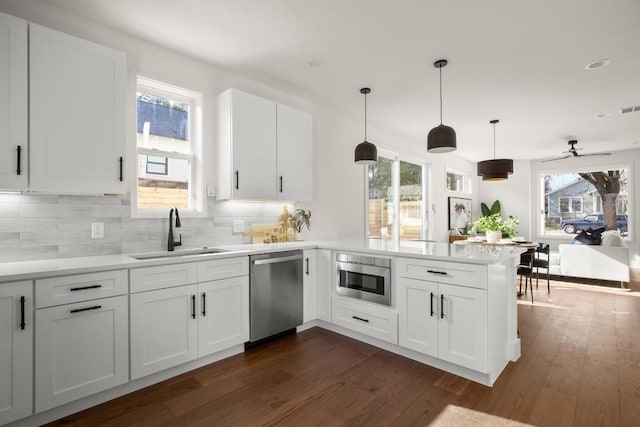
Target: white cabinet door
<point x="223" y="314"/>
<point x="294" y="154"/>
<point x="418" y="305"/>
<point x="463" y="326"/>
<point x="325" y="282"/>
<point x="16" y="350"/>
<point x="309" y="285"/>
<point x="13" y="103"/>
<point x="164" y="329"/>
<point x="81" y="349"/>
<point x="77" y="108"/>
<point x="253" y="133"/>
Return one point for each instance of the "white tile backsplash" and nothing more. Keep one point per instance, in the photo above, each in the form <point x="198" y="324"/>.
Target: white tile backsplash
<point x="42" y="226"/>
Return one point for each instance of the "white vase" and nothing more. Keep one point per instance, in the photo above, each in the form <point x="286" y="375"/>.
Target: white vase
<point x="493" y="236"/>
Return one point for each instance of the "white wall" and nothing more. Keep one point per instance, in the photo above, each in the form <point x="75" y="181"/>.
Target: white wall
<point x="339" y="199"/>
<point x="514" y="195"/>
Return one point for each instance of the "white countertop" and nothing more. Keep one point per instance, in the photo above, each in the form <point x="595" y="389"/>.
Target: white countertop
<point x="475" y="254"/>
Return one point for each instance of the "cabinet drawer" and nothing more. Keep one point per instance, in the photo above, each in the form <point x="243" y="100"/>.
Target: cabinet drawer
<point x="81" y="287"/>
<point x="163" y="276"/>
<point x="223" y="268"/>
<point x="381" y="323"/>
<point x="455" y="273"/>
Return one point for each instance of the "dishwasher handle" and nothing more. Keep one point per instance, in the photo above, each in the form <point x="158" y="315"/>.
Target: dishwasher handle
<point x="276" y="260"/>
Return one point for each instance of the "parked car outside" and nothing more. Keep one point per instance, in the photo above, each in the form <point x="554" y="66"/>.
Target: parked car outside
<point x="593" y="221"/>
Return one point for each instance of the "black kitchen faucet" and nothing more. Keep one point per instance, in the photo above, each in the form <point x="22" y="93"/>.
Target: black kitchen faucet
<point x="171" y="244"/>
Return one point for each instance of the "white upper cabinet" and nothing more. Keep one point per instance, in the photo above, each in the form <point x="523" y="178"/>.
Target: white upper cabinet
<point x="264" y="149"/>
<point x="77" y="114"/>
<point x="294" y="154"/>
<point x="13" y="103"/>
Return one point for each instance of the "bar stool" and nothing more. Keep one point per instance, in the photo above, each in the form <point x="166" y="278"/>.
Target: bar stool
<point x="525" y="268"/>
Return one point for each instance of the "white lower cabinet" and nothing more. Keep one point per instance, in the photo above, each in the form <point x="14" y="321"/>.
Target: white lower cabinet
<point x="445" y="321"/>
<point x="174" y="325"/>
<point x="366" y="318"/>
<point x="16" y="350"/>
<point x="324" y="282"/>
<point x="81" y="349"/>
<point x="309" y="277"/>
<point x="223" y="315"/>
<point x="164" y="329"/>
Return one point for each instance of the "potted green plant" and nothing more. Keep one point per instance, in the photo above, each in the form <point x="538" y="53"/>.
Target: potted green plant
<point x="300" y="220"/>
<point x="495" y="227"/>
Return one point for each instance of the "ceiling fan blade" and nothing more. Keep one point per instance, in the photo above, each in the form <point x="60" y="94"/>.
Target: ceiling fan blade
<point x="554" y="159"/>
<point x="594" y="154"/>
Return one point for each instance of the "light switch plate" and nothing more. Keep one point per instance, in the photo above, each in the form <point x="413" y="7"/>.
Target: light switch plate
<point x="238" y="226"/>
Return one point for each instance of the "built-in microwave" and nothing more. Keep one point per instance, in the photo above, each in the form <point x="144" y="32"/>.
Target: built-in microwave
<point x="364" y="277"/>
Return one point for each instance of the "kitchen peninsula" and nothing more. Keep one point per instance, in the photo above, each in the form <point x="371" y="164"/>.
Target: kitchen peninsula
<point x="452" y="307"/>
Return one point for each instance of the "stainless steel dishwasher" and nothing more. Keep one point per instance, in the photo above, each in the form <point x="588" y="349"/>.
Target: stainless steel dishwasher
<point x="275" y="293"/>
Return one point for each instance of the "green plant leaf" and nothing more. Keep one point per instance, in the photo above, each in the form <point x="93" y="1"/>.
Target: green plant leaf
<point x="495" y="207"/>
<point x="485" y="209"/>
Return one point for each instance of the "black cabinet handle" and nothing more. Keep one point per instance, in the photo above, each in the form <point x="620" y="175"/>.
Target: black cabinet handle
<point x="444" y="273"/>
<point x="307" y="261"/>
<point x="281" y="184"/>
<point x="431" y="300"/>
<point x="441" y="306"/>
<point x="361" y="319"/>
<point x="22" y="323"/>
<point x="204" y="304"/>
<point x="237" y="180"/>
<point x="121" y="176"/>
<point x="19" y="170"/>
<point x="193" y="306"/>
<point x="79" y="310"/>
<point x="84" y="288"/>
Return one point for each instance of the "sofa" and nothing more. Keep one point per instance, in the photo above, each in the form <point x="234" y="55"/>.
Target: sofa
<point x="608" y="261"/>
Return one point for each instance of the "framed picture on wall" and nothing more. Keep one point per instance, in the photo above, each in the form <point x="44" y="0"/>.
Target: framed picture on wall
<point x="459" y="214"/>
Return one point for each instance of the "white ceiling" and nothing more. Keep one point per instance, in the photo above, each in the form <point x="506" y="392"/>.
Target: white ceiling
<point x="518" y="61"/>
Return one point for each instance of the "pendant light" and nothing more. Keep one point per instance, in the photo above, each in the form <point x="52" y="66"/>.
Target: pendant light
<point x="495" y="169"/>
<point x="442" y="138"/>
<point x="366" y="152"/>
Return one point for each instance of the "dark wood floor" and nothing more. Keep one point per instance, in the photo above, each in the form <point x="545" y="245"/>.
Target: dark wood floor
<point x="580" y="366"/>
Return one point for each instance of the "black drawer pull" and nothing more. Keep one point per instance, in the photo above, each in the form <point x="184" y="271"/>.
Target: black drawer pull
<point x="361" y="319"/>
<point x="79" y="310"/>
<point x="193" y="306"/>
<point x="121" y="176"/>
<point x="281" y="184"/>
<point x="441" y="306"/>
<point x="307" y="260"/>
<point x="84" y="288"/>
<point x="22" y="322"/>
<point x="19" y="169"/>
<point x="237" y="180"/>
<point x="204" y="304"/>
<point x="431" y="301"/>
<point x="444" y="273"/>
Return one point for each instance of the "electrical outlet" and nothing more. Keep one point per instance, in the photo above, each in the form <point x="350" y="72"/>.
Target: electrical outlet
<point x="97" y="230"/>
<point x="238" y="226"/>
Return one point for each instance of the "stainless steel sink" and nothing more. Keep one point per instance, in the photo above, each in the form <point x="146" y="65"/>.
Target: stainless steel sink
<point x="179" y="253"/>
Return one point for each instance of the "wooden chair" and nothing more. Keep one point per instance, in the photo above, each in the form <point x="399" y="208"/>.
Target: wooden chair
<point x="538" y="262"/>
<point x="525" y="268"/>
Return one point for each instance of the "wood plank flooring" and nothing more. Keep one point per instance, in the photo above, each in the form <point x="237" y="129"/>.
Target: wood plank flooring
<point x="580" y="366"/>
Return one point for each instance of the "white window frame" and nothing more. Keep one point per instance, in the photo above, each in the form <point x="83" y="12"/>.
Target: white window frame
<point x="197" y="205"/>
<point x="538" y="220"/>
<point x="466" y="186"/>
<point x="395" y="181"/>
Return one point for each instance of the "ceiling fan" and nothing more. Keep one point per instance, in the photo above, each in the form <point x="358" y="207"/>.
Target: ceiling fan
<point x="573" y="151"/>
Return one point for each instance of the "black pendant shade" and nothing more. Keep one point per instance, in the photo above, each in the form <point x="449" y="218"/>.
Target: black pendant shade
<point x="366" y="153"/>
<point x="442" y="138"/>
<point x="495" y="169"/>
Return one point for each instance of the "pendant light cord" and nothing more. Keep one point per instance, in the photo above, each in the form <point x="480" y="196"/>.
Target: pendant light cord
<point x="365" y="116"/>
<point x="441" y="96"/>
<point x="494" y="141"/>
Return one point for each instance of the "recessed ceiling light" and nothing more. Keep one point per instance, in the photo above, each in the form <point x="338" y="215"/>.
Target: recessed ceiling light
<point x="313" y="63"/>
<point x="600" y="63"/>
<point x="602" y="115"/>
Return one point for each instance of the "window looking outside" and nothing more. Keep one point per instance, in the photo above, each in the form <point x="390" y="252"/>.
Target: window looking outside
<point x="396" y="195"/>
<point x="168" y="147"/>
<point x="576" y="201"/>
